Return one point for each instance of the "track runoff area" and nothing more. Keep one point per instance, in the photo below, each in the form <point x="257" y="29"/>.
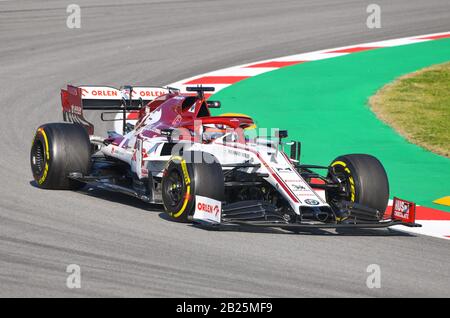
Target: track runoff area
<point x="321" y="98"/>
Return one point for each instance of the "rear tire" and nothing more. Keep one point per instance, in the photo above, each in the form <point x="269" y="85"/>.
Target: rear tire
<point x="57" y="150"/>
<point x="365" y="181"/>
<point x="184" y="178"/>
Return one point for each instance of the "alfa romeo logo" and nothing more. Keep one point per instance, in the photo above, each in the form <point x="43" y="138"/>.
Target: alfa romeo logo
<point x="311" y="202"/>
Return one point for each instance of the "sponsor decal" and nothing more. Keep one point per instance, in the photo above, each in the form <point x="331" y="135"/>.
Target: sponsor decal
<point x="403" y="210"/>
<point x="44" y="175"/>
<point x="187" y="180"/>
<point x="149" y="93"/>
<point x="238" y="153"/>
<point x="207" y="209"/>
<point x="312" y="202"/>
<point x="100" y="93"/>
<point x="298" y="187"/>
<point x="77" y="110"/>
<point x="282" y="170"/>
<point x="177" y="120"/>
<point x="113" y="93"/>
<point x="125" y="93"/>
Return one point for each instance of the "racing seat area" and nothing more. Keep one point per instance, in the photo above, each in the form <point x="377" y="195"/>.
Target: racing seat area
<point x="217" y="126"/>
<point x="214" y="127"/>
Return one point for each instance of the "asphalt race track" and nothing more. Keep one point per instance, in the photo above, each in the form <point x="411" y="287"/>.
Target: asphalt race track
<point x="125" y="248"/>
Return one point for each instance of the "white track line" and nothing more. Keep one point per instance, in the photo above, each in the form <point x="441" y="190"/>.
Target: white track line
<point x="245" y="70"/>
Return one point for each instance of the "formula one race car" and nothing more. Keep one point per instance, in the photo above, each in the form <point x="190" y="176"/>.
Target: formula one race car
<point x="205" y="168"/>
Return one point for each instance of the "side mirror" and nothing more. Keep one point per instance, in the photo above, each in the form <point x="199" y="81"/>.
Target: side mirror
<point x="282" y="134"/>
<point x="213" y="104"/>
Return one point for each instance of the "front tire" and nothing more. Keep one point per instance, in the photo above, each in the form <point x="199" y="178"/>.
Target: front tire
<point x="184" y="178"/>
<point x="364" y="181"/>
<point x="57" y="150"/>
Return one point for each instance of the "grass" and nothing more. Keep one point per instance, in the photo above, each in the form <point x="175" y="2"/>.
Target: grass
<point x="418" y="107"/>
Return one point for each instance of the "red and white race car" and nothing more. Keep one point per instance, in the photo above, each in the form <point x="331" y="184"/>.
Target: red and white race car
<point x="204" y="168"/>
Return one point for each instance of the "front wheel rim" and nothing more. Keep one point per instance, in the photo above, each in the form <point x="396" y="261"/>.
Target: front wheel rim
<point x="174" y="188"/>
<point x="38" y="159"/>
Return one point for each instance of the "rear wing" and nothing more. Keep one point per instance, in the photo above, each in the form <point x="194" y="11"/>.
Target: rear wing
<point x="76" y="99"/>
